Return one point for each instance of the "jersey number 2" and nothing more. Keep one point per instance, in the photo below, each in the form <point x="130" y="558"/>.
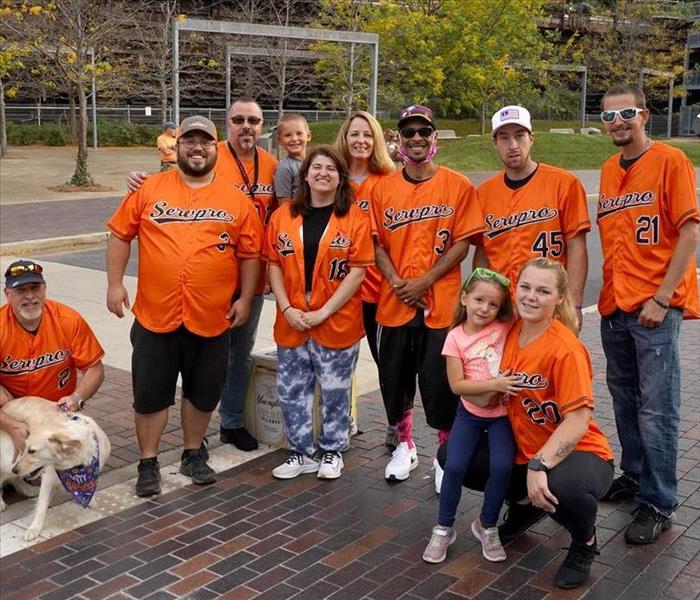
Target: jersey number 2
<point x="648" y="229"/>
<point x="549" y="243"/>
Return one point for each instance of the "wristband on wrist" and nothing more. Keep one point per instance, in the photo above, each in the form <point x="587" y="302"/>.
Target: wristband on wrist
<point x="661" y="304"/>
<point x="286" y="309"/>
<point x="79" y="399"/>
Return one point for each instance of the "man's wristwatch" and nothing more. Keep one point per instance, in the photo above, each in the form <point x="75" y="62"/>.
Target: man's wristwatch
<point x="79" y="399"/>
<point x="537" y="464"/>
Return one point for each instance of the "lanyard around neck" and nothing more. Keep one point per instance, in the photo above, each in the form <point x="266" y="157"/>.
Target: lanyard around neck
<point x="244" y="174"/>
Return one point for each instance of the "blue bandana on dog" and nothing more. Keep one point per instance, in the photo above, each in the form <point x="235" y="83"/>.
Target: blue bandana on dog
<point x="81" y="481"/>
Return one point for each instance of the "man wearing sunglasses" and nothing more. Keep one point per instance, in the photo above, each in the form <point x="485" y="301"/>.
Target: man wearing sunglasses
<point x="43" y="345"/>
<point x="531" y="209"/>
<point x="648" y="221"/>
<point x="423" y="217"/>
<point x="251" y="169"/>
<point x="199" y="241"/>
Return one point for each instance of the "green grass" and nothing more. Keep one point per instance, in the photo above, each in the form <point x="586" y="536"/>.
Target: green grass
<point x="477" y="153"/>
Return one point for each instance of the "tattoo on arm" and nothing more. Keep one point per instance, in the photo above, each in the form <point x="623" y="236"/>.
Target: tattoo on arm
<point x="564" y="449"/>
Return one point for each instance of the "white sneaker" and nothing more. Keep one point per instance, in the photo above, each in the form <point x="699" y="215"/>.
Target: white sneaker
<point x="439" y="472"/>
<point x="296" y="464"/>
<point x="331" y="466"/>
<point x="403" y="461"/>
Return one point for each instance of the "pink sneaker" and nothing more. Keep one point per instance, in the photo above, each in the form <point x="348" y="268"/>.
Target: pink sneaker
<point x="491" y="546"/>
<point x="436" y="550"/>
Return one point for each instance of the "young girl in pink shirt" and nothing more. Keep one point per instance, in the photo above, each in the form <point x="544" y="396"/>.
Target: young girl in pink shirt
<point x="473" y="350"/>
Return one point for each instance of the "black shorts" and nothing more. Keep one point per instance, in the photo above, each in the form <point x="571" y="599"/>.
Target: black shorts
<point x="405" y="352"/>
<point x="159" y="357"/>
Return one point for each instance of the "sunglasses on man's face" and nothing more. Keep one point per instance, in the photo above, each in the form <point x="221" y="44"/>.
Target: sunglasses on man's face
<point x="626" y="114"/>
<point x="18" y="270"/>
<point x="238" y="120"/>
<point x="484" y="274"/>
<point x="409" y="132"/>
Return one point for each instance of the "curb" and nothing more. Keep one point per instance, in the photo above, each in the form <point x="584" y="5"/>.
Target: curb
<point x="68" y="242"/>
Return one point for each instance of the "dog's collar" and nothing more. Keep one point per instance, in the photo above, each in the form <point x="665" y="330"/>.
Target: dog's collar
<point x="81" y="481"/>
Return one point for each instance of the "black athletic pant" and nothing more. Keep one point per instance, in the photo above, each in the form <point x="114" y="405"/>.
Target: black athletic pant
<point x="369" y="319"/>
<point x="405" y="352"/>
<point x="578" y="482"/>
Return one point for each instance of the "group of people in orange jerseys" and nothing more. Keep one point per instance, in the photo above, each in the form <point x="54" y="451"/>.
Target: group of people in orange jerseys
<point x="351" y="247"/>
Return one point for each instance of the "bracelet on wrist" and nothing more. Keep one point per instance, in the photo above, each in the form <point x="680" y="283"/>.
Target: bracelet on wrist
<point x="286" y="309"/>
<point x="661" y="304"/>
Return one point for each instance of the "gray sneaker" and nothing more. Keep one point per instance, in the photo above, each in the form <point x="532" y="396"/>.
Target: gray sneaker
<point x="441" y="539"/>
<point x="295" y="465"/>
<point x="491" y="546"/>
<point x="194" y="465"/>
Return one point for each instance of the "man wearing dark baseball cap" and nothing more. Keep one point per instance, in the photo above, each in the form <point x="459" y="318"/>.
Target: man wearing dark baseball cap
<point x="425" y="214"/>
<point x="199" y="241"/>
<point x="43" y="344"/>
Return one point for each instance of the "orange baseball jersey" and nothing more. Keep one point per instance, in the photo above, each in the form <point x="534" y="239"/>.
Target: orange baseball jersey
<point x="190" y="243"/>
<point x="46" y="363"/>
<point x="258" y="188"/>
<point x="533" y="221"/>
<point x="363" y="196"/>
<point x="416" y="224"/>
<point x="555" y="378"/>
<point x="346" y="243"/>
<point x="166" y="146"/>
<point x="640" y="211"/>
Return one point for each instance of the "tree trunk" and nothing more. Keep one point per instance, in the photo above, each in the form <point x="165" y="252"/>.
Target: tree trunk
<point x="483" y="118"/>
<point x="72" y="126"/>
<point x="81" y="176"/>
<point x="3" y="121"/>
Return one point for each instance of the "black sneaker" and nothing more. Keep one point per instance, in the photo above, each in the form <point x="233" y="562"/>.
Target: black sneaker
<point x="148" y="481"/>
<point x="576" y="567"/>
<point x="647" y="525"/>
<point x="204" y="448"/>
<point x="519" y="518"/>
<point x="240" y="438"/>
<point x="193" y="465"/>
<point x="623" y="488"/>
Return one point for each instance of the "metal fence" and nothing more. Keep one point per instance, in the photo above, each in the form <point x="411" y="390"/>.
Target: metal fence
<point x="44" y="113"/>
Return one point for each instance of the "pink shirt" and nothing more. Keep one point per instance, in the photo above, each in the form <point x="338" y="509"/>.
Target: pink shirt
<point x="481" y="356"/>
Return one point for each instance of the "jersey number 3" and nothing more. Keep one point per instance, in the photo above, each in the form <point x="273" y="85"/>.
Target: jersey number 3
<point x="549" y="243"/>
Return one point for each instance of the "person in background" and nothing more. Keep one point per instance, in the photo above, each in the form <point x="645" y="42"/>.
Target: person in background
<point x="293" y="135"/>
<point x="318" y="248"/>
<point x="166" y="146"/>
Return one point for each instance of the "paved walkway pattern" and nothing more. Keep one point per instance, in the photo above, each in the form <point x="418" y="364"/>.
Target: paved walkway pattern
<point x="250" y="536"/>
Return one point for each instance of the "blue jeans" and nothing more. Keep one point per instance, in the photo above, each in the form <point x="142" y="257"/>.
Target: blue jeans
<point x="239" y="365"/>
<point x="298" y="369"/>
<point x="644" y="379"/>
<point x="463" y="440"/>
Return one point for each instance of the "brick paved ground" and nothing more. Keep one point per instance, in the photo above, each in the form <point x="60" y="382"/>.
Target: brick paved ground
<point x="358" y="537"/>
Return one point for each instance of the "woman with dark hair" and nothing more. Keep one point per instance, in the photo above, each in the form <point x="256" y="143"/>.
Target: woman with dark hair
<point x="318" y="248"/>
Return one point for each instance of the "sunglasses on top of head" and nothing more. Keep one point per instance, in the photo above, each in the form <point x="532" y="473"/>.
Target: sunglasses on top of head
<point x="626" y="114"/>
<point x="18" y="270"/>
<point x="409" y="132"/>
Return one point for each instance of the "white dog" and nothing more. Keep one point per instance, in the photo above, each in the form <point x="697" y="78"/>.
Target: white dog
<point x="66" y="445"/>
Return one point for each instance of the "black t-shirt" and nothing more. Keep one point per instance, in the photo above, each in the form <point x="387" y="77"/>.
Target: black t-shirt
<point x="515" y="184"/>
<point x="626" y="163"/>
<point x="314" y="225"/>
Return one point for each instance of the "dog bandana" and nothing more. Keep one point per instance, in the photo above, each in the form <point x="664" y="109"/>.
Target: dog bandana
<point x="81" y="481"/>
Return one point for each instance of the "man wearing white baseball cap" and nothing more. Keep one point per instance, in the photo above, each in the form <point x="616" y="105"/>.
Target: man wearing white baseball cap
<point x="531" y="209"/>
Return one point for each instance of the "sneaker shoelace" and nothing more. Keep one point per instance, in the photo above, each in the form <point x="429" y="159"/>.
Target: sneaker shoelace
<point x="329" y="458"/>
<point x="293" y="458"/>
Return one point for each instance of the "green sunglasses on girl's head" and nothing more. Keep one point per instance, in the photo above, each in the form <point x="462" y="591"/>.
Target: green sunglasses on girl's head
<point x="484" y="274"/>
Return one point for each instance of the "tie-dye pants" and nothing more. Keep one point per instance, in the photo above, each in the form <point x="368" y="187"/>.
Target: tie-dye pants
<point x="298" y="369"/>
